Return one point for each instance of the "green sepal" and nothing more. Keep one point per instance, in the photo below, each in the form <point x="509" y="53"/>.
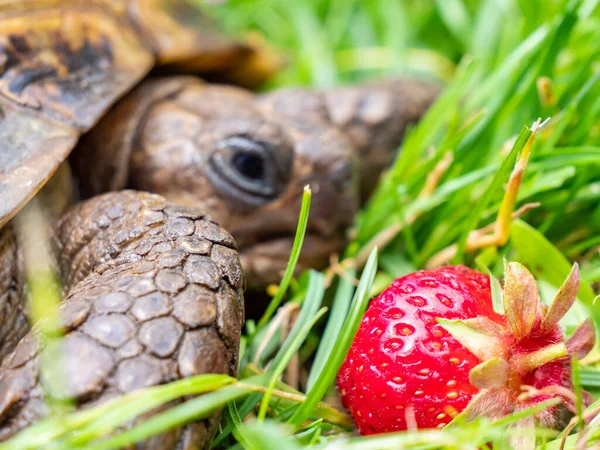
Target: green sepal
<point x="492" y="373"/>
<point x="480" y="335"/>
<point x="521" y="302"/>
<point x="497" y="302"/>
<point x="496" y="287"/>
<point x="564" y="299"/>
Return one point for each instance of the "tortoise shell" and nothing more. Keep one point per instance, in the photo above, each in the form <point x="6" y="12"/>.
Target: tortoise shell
<point x="64" y="63"/>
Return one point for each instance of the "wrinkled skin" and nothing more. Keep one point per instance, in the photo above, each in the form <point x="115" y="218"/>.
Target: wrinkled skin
<point x="153" y="293"/>
<point x="245" y="159"/>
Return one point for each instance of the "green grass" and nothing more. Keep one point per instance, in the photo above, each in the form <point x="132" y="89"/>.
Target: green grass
<point x="491" y="55"/>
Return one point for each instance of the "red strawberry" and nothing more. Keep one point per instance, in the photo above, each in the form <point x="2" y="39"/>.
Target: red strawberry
<point x="431" y="346"/>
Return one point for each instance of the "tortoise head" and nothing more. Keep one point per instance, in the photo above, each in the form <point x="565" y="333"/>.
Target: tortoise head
<point x="234" y="156"/>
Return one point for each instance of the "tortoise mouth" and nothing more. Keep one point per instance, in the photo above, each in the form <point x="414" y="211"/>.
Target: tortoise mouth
<point x="265" y="239"/>
<point x="265" y="261"/>
<point x="279" y="245"/>
<point x="270" y="237"/>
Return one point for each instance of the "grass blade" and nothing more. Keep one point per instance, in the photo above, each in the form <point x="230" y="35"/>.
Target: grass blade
<point x="104" y="418"/>
<point x="339" y="310"/>
<point x="493" y="188"/>
<point x="195" y="409"/>
<point x="311" y="303"/>
<point x="293" y="347"/>
<point x="291" y="266"/>
<point x="327" y="376"/>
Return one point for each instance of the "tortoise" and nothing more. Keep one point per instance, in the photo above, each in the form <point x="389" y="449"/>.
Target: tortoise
<point x="186" y="191"/>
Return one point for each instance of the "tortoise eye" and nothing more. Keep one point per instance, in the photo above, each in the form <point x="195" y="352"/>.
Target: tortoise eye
<point x="246" y="169"/>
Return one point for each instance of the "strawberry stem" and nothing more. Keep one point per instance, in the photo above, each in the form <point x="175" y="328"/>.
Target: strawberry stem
<point x="527" y="363"/>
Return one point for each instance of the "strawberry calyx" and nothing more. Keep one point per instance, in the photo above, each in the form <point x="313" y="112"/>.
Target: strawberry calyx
<point x="524" y="346"/>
